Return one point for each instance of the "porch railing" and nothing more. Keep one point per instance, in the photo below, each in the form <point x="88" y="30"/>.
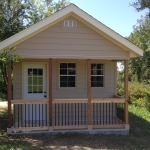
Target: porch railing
<point x="68" y="114"/>
<point x="30" y="114"/>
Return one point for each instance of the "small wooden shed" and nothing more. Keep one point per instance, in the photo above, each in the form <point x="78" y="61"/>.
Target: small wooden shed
<point x="66" y="80"/>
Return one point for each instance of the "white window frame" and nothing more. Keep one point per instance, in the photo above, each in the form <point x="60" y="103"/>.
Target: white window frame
<point x="67" y="73"/>
<point x="73" y="22"/>
<point x="98" y="75"/>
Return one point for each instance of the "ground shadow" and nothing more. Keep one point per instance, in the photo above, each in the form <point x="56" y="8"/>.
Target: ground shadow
<point x="137" y="139"/>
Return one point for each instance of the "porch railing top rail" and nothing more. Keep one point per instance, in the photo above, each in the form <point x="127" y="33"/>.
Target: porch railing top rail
<point x="21" y="101"/>
<point x="56" y="101"/>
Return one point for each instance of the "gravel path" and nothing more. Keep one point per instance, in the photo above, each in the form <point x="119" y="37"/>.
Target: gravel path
<point x="3" y="103"/>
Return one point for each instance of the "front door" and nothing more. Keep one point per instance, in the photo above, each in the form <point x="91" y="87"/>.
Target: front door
<point x="35" y="88"/>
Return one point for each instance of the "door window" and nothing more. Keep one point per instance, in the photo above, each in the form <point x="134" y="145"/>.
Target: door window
<point x="35" y="80"/>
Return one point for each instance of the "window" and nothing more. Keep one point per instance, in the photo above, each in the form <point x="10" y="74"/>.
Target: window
<point x="97" y="75"/>
<point x="35" y="80"/>
<point x="70" y="23"/>
<point x="67" y="74"/>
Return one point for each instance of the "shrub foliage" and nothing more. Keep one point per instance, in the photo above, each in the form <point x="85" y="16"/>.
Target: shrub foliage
<point x="139" y="93"/>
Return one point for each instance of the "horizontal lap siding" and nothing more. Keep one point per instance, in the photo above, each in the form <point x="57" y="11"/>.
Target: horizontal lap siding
<point x="17" y="81"/>
<point x="58" y="41"/>
<point x="80" y="91"/>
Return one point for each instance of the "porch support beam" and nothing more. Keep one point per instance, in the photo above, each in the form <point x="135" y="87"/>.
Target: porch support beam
<point x="9" y="95"/>
<point x="50" y="91"/>
<point x="126" y="90"/>
<point x="89" y="89"/>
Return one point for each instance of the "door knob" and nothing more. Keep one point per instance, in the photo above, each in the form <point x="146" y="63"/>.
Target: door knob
<point x="44" y="95"/>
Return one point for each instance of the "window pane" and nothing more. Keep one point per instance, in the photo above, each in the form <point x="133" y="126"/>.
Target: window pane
<point x="40" y="80"/>
<point x="63" y="65"/>
<point x="100" y="72"/>
<point x="29" y="80"/>
<point x="63" y="78"/>
<point x="93" y="72"/>
<point x="93" y="78"/>
<point x="29" y="89"/>
<point x="71" y="84"/>
<point x="96" y="70"/>
<point x="93" y="66"/>
<point x="34" y="80"/>
<point x="71" y="78"/>
<point x="40" y="72"/>
<point x="71" y="71"/>
<point x="35" y="72"/>
<point x="99" y="66"/>
<point x="93" y="84"/>
<point x="99" y="84"/>
<point x="63" y="84"/>
<point x="67" y="69"/>
<point x="63" y="71"/>
<point x="99" y="78"/>
<point x="71" y="65"/>
<point x="40" y="89"/>
<point x="34" y="89"/>
<point x="29" y="72"/>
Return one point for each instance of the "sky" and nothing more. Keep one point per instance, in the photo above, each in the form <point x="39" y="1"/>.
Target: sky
<point x="116" y="14"/>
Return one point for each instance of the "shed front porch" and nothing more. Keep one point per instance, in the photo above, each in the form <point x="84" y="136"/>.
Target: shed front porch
<point x="51" y="115"/>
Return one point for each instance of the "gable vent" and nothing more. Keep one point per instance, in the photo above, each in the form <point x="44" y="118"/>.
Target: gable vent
<point x="70" y="23"/>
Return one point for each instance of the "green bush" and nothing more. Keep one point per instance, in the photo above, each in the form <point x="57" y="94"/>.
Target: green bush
<point x="139" y="93"/>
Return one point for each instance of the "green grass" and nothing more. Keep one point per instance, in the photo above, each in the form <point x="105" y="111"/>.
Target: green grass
<point x="139" y="137"/>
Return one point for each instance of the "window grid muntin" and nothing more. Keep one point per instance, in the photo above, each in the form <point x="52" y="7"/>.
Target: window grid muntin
<point x="97" y="75"/>
<point x="35" y="88"/>
<point x="67" y="75"/>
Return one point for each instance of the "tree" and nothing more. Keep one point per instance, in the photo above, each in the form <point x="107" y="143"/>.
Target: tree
<point x="16" y="15"/>
<point x="140" y="67"/>
<point x="12" y="13"/>
<point x="7" y="56"/>
<point x="141" y="5"/>
<point x="42" y="9"/>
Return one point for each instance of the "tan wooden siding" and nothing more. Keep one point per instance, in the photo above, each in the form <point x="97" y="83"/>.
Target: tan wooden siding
<point x="80" y="91"/>
<point x="64" y="42"/>
<point x="17" y="81"/>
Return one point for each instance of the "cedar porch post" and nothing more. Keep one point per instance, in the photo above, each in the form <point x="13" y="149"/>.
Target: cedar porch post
<point x="89" y="89"/>
<point x="126" y="90"/>
<point x="50" y="91"/>
<point x="9" y="95"/>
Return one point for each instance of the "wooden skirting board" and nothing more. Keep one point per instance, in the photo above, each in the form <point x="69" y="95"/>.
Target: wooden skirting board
<point x="29" y="128"/>
<point x="70" y="127"/>
<point x="26" y="129"/>
<point x="108" y="126"/>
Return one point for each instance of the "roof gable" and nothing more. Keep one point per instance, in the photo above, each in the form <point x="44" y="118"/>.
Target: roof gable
<point x="81" y="16"/>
